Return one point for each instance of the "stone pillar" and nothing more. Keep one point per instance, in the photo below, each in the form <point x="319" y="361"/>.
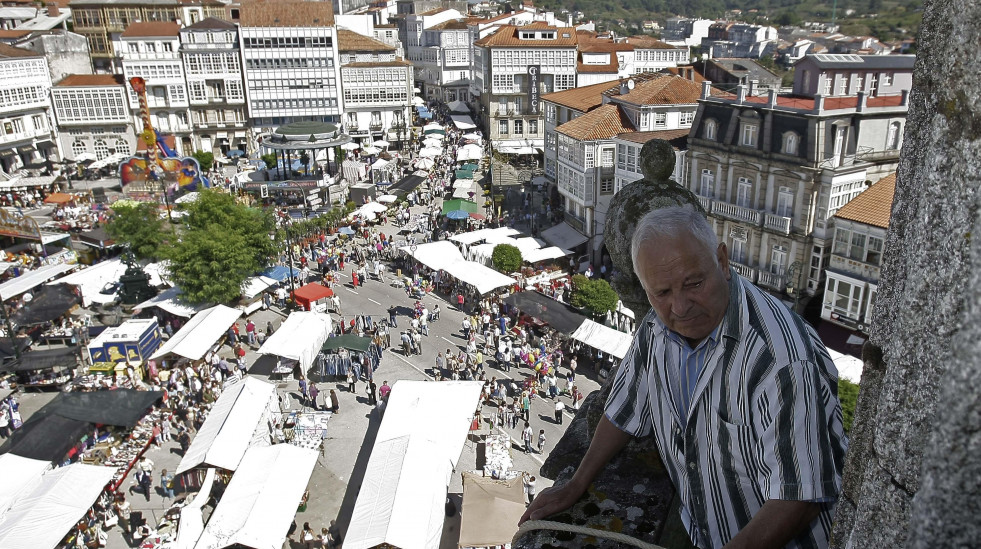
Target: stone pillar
<point x="913" y="470"/>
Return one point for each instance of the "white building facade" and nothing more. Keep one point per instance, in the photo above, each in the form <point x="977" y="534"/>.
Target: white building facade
<point x="28" y="138"/>
<point x="93" y="115"/>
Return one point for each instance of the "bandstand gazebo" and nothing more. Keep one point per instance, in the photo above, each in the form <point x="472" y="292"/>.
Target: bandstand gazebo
<point x="290" y="141"/>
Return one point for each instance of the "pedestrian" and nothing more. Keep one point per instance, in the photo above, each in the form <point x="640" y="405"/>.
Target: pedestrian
<point x="459" y="300"/>
<point x="531" y="489"/>
<point x="307" y="537"/>
<point x="303" y="390"/>
<point x="184" y="439"/>
<point x="123" y="511"/>
<point x="250" y="331"/>
<point x="144" y="472"/>
<point x="354" y="278"/>
<point x="167" y="484"/>
<point x="559" y="408"/>
<point x="269" y="328"/>
<point x="392" y="311"/>
<point x="334" y="405"/>
<point x="384" y="391"/>
<point x="371" y="389"/>
<point x="526" y="437"/>
<point x="313" y="396"/>
<point x="541" y="441"/>
<point x="352" y="382"/>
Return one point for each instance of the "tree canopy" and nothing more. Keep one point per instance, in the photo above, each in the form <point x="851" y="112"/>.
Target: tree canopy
<point x="594" y="295"/>
<point x="138" y="225"/>
<point x="205" y="159"/>
<point x="506" y="258"/>
<point x="223" y="243"/>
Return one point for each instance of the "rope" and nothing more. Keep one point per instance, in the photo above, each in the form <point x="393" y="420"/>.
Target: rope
<point x="583" y="530"/>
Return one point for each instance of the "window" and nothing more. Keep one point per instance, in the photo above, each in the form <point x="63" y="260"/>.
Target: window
<point x="842" y="85"/>
<point x="873" y="254"/>
<point x="606" y="186"/>
<point x="857" y="250"/>
<point x="778" y="260"/>
<point x="519" y="127"/>
<point x="790" y="141"/>
<point x="843" y="297"/>
<point x="533" y="127"/>
<point x="744" y="190"/>
<point x="827" y="84"/>
<point x="873" y="85"/>
<point x="502" y="127"/>
<point x="711" y="127"/>
<point x="101" y="149"/>
<point x="842" y="240"/>
<point x="749" y="135"/>
<point x="706" y="186"/>
<point x="785" y="202"/>
<point x="887" y="79"/>
<point x="892" y="139"/>
<point x="78" y="147"/>
<point x="550" y="112"/>
<point x="606" y="157"/>
<point x="660" y="119"/>
<point x="738" y="252"/>
<point x="687" y="118"/>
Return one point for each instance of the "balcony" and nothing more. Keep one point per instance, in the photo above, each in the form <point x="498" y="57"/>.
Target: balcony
<point x="861" y="154"/>
<point x="777" y="223"/>
<point x="771" y="280"/>
<point x="744" y="271"/>
<point x="753" y="217"/>
<point x="577" y="223"/>
<point x="706" y="203"/>
<point x="375" y="126"/>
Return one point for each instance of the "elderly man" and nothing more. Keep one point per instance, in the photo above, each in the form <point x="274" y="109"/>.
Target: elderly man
<point x="739" y="392"/>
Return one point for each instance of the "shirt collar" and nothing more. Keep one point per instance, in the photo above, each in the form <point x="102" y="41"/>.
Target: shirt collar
<point x="732" y="323"/>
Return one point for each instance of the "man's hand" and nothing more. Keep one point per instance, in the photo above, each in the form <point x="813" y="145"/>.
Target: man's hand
<point x="552" y="500"/>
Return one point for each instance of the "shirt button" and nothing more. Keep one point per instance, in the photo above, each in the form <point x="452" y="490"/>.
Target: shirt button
<point x="677" y="430"/>
<point x="691" y="465"/>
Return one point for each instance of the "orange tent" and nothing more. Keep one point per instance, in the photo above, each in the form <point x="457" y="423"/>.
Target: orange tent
<point x="59" y="198"/>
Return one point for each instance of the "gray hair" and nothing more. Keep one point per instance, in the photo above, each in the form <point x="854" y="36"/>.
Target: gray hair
<point x="672" y="222"/>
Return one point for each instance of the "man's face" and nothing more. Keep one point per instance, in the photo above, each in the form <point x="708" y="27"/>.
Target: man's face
<point x="686" y="284"/>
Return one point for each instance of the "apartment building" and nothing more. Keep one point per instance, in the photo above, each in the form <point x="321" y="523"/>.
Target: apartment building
<point x="653" y="55"/>
<point x="436" y="42"/>
<point x="377" y="88"/>
<point x="856" y="256"/>
<point x="93" y="115"/>
<point x="515" y="66"/>
<point x="594" y="149"/>
<point x="773" y="171"/>
<point x="152" y="51"/>
<point x="27" y="130"/>
<point x="289" y="51"/>
<point x="99" y="20"/>
<point x="215" y="88"/>
<point x="681" y="31"/>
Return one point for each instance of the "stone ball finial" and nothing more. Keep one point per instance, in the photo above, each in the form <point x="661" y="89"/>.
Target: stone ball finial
<point x="629" y="205"/>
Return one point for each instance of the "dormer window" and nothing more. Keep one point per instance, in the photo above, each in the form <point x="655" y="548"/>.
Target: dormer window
<point x="790" y="141"/>
<point x="527" y="35"/>
<point x="711" y="128"/>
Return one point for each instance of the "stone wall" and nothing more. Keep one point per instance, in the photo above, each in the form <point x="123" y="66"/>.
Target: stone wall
<point x="913" y="470"/>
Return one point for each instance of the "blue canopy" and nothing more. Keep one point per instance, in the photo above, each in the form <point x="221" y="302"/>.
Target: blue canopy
<point x="279" y="272"/>
<point x="346" y="230"/>
<point x="426" y="114"/>
<point x="422" y="108"/>
<point x="458" y="214"/>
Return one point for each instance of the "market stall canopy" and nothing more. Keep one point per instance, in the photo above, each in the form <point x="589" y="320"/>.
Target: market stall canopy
<point x="473" y="136"/>
<point x="32" y="279"/>
<point x="59" y="198"/>
<point x="191" y="524"/>
<point x="407" y="184"/>
<point x="313" y="292"/>
<point x="604" y="338"/>
<point x="463" y="174"/>
<point x="544" y="254"/>
<point x="20" y="476"/>
<point x="469" y="152"/>
<point x="93" y="279"/>
<point x="195" y="338"/>
<point x="347" y="341"/>
<point x="48" y="438"/>
<point x="491" y="509"/>
<point x="458" y="106"/>
<point x="170" y="300"/>
<point x="159" y="275"/>
<point x="563" y="236"/>
<point x="300" y="337"/>
<point x="255" y="285"/>
<point x="259" y="504"/>
<point x="446" y="256"/>
<point x="236" y="422"/>
<point x="459" y="204"/>
<point x="429" y="152"/>
<point x="402" y="497"/>
<point x="49" y="303"/>
<point x="44" y="359"/>
<point x="97" y="237"/>
<point x="482" y="234"/>
<point x="40" y="519"/>
<point x="7" y="350"/>
<point x="558" y="315"/>
<point x="463" y="122"/>
<point x="280" y="272"/>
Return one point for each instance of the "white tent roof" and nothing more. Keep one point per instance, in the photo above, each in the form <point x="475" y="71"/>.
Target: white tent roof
<point x="191" y="525"/>
<point x="482" y="234"/>
<point x="465" y="192"/>
<point x="93" y="279"/>
<point x="299" y="338"/>
<point x="849" y="367"/>
<point x="463" y="121"/>
<point x="40" y="519"/>
<point x="458" y="106"/>
<point x="227" y="433"/>
<point x="374" y="207"/>
<point x="402" y="496"/>
<point x="542" y="254"/>
<point x="255" y="285"/>
<point x="158" y="273"/>
<point x="31" y="279"/>
<point x="444" y="255"/>
<point x="490" y="511"/>
<point x="601" y="337"/>
<point x="169" y="300"/>
<point x="469" y="152"/>
<point x="20" y="476"/>
<point x="201" y="332"/>
<point x="260" y="502"/>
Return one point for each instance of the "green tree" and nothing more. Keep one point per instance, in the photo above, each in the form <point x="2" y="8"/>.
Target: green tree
<point x="205" y="159"/>
<point x="270" y="160"/>
<point x="224" y="243"/>
<point x="506" y="258"/>
<point x="596" y="296"/>
<point x="138" y="225"/>
<point x="848" y="394"/>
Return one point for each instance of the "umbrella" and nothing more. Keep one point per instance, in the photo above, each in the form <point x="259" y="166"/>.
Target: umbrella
<point x="371" y="150"/>
<point x="426" y="115"/>
<point x="346" y="230"/>
<point x="473" y="136"/>
<point x="381" y="143"/>
<point x="425" y="163"/>
<point x="476" y="215"/>
<point x="350" y="146"/>
<point x="416" y="90"/>
<point x="373" y="207"/>
<point x="387" y="198"/>
<point x="432" y="126"/>
<point x="418" y="101"/>
<point x="235" y="152"/>
<point x="458" y="214"/>
<point x="85" y="157"/>
<point x="429" y="152"/>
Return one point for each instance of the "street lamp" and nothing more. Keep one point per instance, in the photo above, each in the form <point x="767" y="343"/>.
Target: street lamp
<point x="794" y="281"/>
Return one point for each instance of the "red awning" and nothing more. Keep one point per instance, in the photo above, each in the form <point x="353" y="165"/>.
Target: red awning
<point x="58" y="198"/>
<point x="313" y="292"/>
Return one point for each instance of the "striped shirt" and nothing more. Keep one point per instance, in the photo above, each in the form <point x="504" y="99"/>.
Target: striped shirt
<point x="764" y="420"/>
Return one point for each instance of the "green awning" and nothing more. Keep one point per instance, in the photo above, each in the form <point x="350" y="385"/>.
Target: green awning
<point x="459" y="204"/>
<point x="441" y="132"/>
<point x="469" y="167"/>
<point x="347" y="341"/>
<point x="464" y="174"/>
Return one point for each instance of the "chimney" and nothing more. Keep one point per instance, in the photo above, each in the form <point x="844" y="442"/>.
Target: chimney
<point x="753" y="84"/>
<point x="905" y="101"/>
<point x="772" y="99"/>
<point x="818" y="102"/>
<point x="53" y="10"/>
<point x="860" y="106"/>
<point x="706" y="89"/>
<point x="741" y="93"/>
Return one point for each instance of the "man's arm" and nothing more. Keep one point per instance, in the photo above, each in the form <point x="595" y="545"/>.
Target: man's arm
<point x="776" y="524"/>
<point x="607" y="442"/>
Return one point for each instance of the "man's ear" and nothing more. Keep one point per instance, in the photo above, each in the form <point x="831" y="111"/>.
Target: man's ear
<point x="722" y="254"/>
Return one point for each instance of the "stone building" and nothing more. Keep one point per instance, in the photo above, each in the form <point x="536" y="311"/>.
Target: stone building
<point x="93" y="115"/>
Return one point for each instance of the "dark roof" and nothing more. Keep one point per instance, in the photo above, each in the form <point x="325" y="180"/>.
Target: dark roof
<point x="210" y="23"/>
<point x="151" y="28"/>
<point x="558" y="315"/>
<point x="738" y="65"/>
<point x="677" y="138"/>
<point x="50" y="303"/>
<point x="7" y="51"/>
<point x="851" y="61"/>
<point x="347" y="341"/>
<point x="44" y="360"/>
<point x="75" y="80"/>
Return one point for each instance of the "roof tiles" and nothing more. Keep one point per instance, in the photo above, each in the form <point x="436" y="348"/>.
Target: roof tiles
<point x="507" y="36"/>
<point x="348" y="40"/>
<point x="873" y="206"/>
<point x="601" y="123"/>
<point x="286" y="13"/>
<point x="74" y="80"/>
<point x="151" y="29"/>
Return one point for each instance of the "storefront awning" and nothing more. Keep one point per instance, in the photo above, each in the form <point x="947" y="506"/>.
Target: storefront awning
<point x="563" y="236"/>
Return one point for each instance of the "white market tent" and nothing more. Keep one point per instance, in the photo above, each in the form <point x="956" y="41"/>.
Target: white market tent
<point x="430" y="152"/>
<point x="191" y="525"/>
<point x="463" y="121"/>
<point x="458" y="106"/>
<point x="849" y="367"/>
<point x="491" y="509"/>
<point x="237" y="421"/>
<point x="159" y="275"/>
<point x="443" y="255"/>
<point x="169" y="300"/>
<point x="20" y="476"/>
<point x="543" y="254"/>
<point x="465" y="192"/>
<point x="373" y="207"/>
<point x="32" y="279"/>
<point x="194" y="339"/>
<point x="91" y="281"/>
<point x="260" y="502"/>
<point x="41" y="518"/>
<point x="469" y="152"/>
<point x="402" y="496"/>
<point x="604" y="338"/>
<point x="255" y="285"/>
<point x="482" y="234"/>
<point x="300" y="338"/>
